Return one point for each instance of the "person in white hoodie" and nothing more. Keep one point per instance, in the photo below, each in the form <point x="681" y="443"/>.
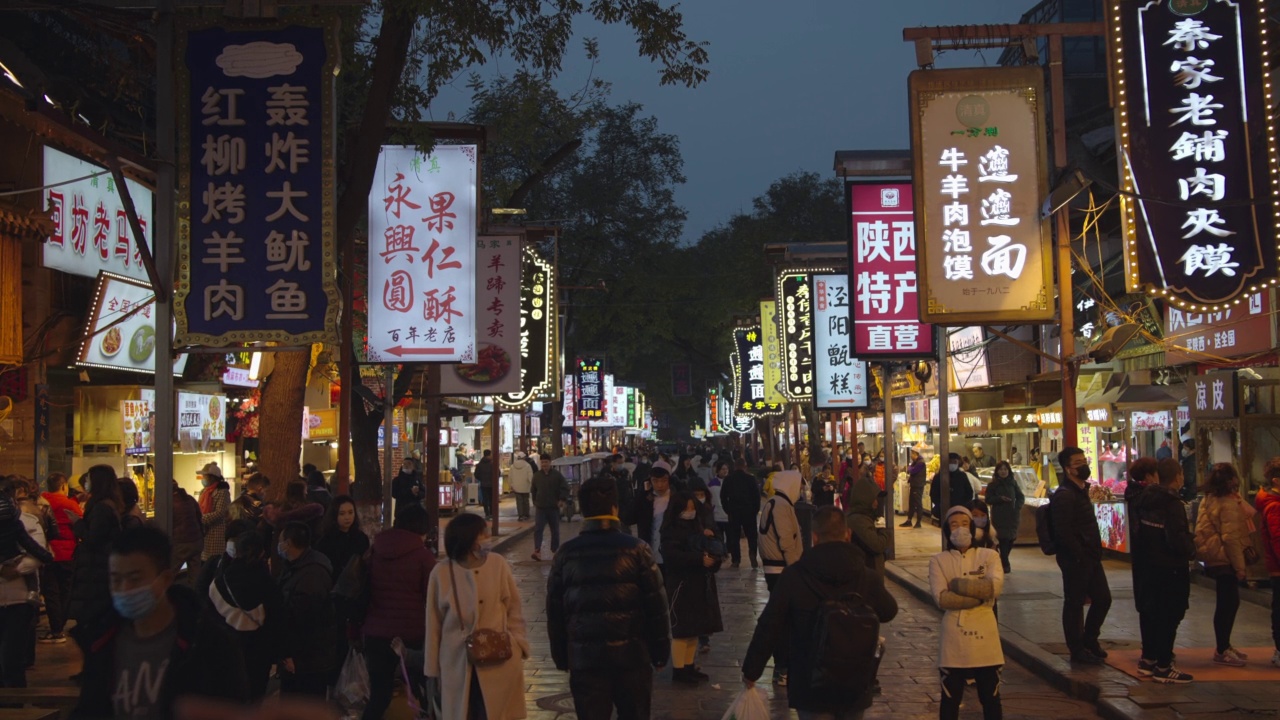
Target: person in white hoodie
<point x="780" y="545"/>
<point x="521" y="479"/>
<point x="965" y="582"/>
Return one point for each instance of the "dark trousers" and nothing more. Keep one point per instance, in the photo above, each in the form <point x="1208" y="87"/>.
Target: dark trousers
<point x="15" y="632"/>
<point x="384" y="667"/>
<point x="542" y="517"/>
<point x="782" y="648"/>
<point x="1224" y="614"/>
<point x="596" y="693"/>
<point x="739" y="527"/>
<point x="1275" y="610"/>
<point x="915" y="504"/>
<point x="55" y="583"/>
<point x="1080" y="581"/>
<point x="522" y="506"/>
<point x="986" y="679"/>
<point x="1006" y="547"/>
<point x="310" y="684"/>
<point x="1161" y="595"/>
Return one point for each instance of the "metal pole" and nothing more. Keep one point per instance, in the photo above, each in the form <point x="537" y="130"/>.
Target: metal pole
<point x="944" y="427"/>
<point x="1065" y="317"/>
<point x="495" y="444"/>
<point x="349" y="373"/>
<point x="431" y="471"/>
<point x="166" y="176"/>
<point x="886" y="370"/>
<point x="388" y="427"/>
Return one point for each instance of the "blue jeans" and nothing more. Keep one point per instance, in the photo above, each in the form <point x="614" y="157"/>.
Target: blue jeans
<point x="543" y="517"/>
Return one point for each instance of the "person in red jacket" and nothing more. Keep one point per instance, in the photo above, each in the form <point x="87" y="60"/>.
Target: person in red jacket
<point x="399" y="568"/>
<point x="55" y="577"/>
<point x="1268" y="505"/>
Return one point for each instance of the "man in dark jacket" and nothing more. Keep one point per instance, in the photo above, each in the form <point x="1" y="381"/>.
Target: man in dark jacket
<point x="614" y="471"/>
<point x="484" y="479"/>
<point x="156" y="646"/>
<point x="607" y="612"/>
<point x="249" y="505"/>
<point x="550" y="493"/>
<point x="740" y="496"/>
<point x="1163" y="545"/>
<point x="311" y="634"/>
<point x="406" y="486"/>
<point x="961" y="488"/>
<point x="1079" y="543"/>
<point x="832" y="568"/>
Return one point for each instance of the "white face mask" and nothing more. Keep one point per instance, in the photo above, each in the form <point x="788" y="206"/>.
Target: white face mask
<point x="231" y="549"/>
<point x="688" y="515"/>
<point x="962" y="538"/>
<point x="953" y="467"/>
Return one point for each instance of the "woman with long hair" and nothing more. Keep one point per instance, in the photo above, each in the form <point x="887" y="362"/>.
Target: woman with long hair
<point x="688" y="570"/>
<point x="1221" y="536"/>
<point x="90" y="596"/>
<point x="1006" y="499"/>
<point x="473" y="589"/>
<point x="341" y="538"/>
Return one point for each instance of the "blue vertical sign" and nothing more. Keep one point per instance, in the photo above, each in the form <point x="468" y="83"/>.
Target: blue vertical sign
<point x="256" y="209"/>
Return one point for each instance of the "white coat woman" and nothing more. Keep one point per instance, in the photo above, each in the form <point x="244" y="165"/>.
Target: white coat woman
<point x="487" y="598"/>
<point x="965" y="582"/>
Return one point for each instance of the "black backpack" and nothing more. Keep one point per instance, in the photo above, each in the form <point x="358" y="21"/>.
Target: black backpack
<point x="1044" y="530"/>
<point x="845" y="639"/>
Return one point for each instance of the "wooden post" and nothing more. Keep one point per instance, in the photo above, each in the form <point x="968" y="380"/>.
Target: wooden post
<point x="495" y="445"/>
<point x="431" y="471"/>
<point x="388" y="428"/>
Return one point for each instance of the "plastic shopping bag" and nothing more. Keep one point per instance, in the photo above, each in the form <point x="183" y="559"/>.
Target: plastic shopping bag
<point x="353" y="681"/>
<point x="751" y="704"/>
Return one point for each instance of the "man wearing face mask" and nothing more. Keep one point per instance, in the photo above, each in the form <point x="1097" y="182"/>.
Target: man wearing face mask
<point x="310" y="637"/>
<point x="961" y="488"/>
<point x="1079" y="543"/>
<point x="155" y="646"/>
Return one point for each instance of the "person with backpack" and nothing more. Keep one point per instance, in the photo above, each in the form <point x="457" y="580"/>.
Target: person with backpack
<point x="780" y="546"/>
<point x="965" y="582"/>
<point x="826" y="608"/>
<point x="1077" y="543"/>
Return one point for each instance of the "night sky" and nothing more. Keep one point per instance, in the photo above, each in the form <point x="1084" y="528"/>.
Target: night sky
<point x="790" y="84"/>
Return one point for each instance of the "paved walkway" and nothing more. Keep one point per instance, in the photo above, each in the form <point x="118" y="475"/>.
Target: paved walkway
<point x="1031" y="627"/>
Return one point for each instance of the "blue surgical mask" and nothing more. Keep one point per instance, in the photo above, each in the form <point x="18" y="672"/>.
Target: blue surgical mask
<point x="953" y="467"/>
<point x="134" y="604"/>
<point x="280" y="550"/>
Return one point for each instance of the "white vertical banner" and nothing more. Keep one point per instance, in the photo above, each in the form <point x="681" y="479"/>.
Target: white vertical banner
<point x="496" y="369"/>
<point x="840" y="379"/>
<point x="422" y="255"/>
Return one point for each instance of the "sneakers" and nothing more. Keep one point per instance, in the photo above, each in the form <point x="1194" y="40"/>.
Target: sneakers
<point x="1146" y="668"/>
<point x="1230" y="657"/>
<point x="1171" y="676"/>
<point x="906" y="524"/>
<point x="1275" y="659"/>
<point x="537" y="556"/>
<point x="1237" y="653"/>
<point x="53" y="638"/>
<point x="1084" y="657"/>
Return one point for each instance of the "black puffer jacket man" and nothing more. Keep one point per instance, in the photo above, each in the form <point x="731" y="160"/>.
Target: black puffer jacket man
<point x="607" y="612"/>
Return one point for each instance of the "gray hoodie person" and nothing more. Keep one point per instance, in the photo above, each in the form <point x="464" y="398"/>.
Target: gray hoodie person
<point x="860" y="516"/>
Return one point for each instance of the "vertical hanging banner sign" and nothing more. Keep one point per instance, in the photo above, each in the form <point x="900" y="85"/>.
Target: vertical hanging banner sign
<point x="882" y="263"/>
<point x="795" y="317"/>
<point x="256" y="247"/>
<point x="539" y="361"/>
<point x="841" y="378"/>
<point x="749" y="380"/>
<point x="681" y="380"/>
<point x="772" y="353"/>
<point x="497" y="366"/>
<point x="978" y="140"/>
<point x="422" y="255"/>
<point x="1197" y="151"/>
<point x="589" y="389"/>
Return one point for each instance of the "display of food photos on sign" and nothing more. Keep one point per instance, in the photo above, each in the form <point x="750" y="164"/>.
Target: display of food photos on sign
<point x="841" y="378"/>
<point x="539" y="362"/>
<point x="882" y="252"/>
<point x="257" y="258"/>
<point x="497" y="283"/>
<point x="1197" y="151"/>
<point x="91" y="232"/>
<point x="980" y="178"/>
<point x="139" y="420"/>
<point x="422" y="254"/>
<point x="120" y="333"/>
<point x="748" y="384"/>
<point x="589" y="389"/>
<point x="202" y="420"/>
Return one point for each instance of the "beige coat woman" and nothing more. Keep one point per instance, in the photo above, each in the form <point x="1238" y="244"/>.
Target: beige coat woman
<point x="490" y="590"/>
<point x="1221" y="533"/>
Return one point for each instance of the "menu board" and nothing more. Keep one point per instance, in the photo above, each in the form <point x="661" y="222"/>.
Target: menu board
<point x="121" y="332"/>
<point x="139" y="420"/>
<point x="201" y="421"/>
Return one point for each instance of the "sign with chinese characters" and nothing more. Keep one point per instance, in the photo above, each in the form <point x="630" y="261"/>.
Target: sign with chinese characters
<point x="121" y="330"/>
<point x="795" y="320"/>
<point x="91" y="232"/>
<point x="1102" y="416"/>
<point x="139" y="423"/>
<point x="1021" y="418"/>
<point x="974" y="422"/>
<point x="968" y="358"/>
<point x="748" y="381"/>
<point x="422" y="255"/>
<point x="734" y="421"/>
<point x="712" y="414"/>
<point x="917" y="410"/>
<point x="1231" y="332"/>
<point x="539" y="361"/>
<point x="1142" y="420"/>
<point x="202" y="419"/>
<point x="589" y="389"/>
<point x="978" y="138"/>
<point x="681" y="380"/>
<point x="772" y="353"/>
<point x="497" y="283"/>
<point x="257" y="258"/>
<point x="322" y="424"/>
<point x="953" y="412"/>
<point x="882" y="261"/>
<point x="1213" y="395"/>
<point x="617" y="404"/>
<point x="1197" y="155"/>
<point x="841" y="379"/>
<point x="632" y="418"/>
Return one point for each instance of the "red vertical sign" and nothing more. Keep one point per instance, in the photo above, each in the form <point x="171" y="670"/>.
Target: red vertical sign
<point x="882" y="261"/>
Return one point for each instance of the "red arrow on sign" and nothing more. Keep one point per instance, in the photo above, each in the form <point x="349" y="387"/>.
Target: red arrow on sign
<point x="402" y="351"/>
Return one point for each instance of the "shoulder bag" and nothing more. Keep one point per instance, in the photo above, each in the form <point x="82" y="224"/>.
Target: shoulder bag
<point x="484" y="646"/>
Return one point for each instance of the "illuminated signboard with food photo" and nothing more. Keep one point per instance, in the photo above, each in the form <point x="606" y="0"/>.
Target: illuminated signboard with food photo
<point x="497" y="365"/>
<point x="121" y="331"/>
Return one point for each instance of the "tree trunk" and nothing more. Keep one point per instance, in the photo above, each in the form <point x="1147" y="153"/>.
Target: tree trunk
<point x="280" y="421"/>
<point x="364" y="451"/>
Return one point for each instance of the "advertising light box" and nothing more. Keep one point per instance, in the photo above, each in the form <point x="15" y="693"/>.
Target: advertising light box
<point x="121" y="331"/>
<point x="91" y="231"/>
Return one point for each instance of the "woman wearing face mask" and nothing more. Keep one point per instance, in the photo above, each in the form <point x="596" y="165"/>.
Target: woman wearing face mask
<point x="1221" y="534"/>
<point x="1006" y="500"/>
<point x="965" y="582"/>
<point x="689" y="568"/>
<point x="246" y="597"/>
<point x="90" y="597"/>
<point x="215" y="510"/>
<point x="470" y="590"/>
